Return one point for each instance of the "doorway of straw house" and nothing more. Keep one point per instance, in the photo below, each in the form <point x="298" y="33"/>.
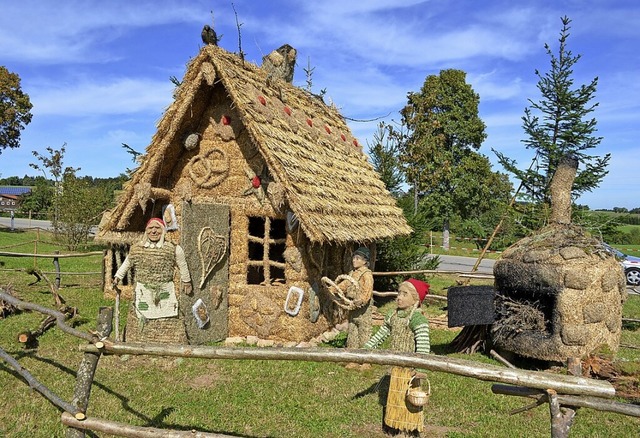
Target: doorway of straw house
<point x="205" y="240"/>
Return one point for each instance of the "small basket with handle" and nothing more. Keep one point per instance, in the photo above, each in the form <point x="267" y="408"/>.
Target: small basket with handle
<point x="416" y="395"/>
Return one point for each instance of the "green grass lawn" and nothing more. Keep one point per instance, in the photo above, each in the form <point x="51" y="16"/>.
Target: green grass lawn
<point x="251" y="398"/>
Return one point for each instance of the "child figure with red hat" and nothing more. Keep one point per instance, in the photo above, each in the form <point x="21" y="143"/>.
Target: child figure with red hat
<point x="155" y="302"/>
<point x="409" y="331"/>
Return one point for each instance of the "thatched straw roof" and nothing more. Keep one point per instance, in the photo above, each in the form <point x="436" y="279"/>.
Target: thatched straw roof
<point x="308" y="149"/>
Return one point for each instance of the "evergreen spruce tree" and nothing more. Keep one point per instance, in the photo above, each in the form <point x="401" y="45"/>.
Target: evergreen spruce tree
<point x="558" y="125"/>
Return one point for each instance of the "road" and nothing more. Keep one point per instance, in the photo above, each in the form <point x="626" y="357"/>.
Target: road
<point x="465" y="264"/>
<point x="25" y="223"/>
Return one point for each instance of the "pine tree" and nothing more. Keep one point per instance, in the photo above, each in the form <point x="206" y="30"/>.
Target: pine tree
<point x="559" y="125"/>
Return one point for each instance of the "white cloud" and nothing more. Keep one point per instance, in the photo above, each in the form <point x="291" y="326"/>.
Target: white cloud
<point x="84" y="99"/>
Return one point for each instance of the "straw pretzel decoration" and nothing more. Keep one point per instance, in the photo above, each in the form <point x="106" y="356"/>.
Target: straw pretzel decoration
<point x="336" y="293"/>
<point x="209" y="169"/>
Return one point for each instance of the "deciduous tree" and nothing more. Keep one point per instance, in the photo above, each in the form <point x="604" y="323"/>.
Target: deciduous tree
<point x="15" y="109"/>
<point x="438" y="153"/>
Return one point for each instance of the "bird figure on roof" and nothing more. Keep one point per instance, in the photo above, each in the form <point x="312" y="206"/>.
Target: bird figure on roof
<point x="281" y="62"/>
<point x="209" y="35"/>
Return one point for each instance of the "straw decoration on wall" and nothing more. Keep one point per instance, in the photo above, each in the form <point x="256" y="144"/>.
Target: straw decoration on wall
<point x="209" y="169"/>
<point x="211" y="249"/>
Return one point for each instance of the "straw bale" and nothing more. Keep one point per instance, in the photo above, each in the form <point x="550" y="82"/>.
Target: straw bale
<point x="259" y="311"/>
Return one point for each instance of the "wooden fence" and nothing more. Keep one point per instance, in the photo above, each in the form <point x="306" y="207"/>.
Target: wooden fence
<point x="563" y="392"/>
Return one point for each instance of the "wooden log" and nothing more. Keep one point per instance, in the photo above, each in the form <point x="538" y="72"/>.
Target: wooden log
<point x="126" y="430"/>
<point x="60" y="317"/>
<point x="487" y="372"/>
<point x="87" y="370"/>
<point x="30" y="338"/>
<point x="598" y="404"/>
<point x="39" y="387"/>
<point x="561" y="417"/>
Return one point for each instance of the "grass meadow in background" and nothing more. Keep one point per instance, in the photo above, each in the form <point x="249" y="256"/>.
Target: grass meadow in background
<point x="244" y="398"/>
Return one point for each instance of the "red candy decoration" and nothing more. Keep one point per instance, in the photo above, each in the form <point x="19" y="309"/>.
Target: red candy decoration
<point x="326" y="128"/>
<point x="343" y="137"/>
<point x="255" y="182"/>
<point x="287" y="110"/>
<point x="262" y="100"/>
<point x="309" y="122"/>
<point x="225" y="120"/>
<point x="355" y="143"/>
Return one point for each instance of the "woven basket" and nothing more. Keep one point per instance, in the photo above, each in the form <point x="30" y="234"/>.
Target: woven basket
<point x="418" y="396"/>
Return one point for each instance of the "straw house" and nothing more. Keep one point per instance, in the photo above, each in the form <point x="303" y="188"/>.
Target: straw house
<point x="267" y="191"/>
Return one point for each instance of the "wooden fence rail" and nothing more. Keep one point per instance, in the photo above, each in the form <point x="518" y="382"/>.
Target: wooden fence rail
<point x="51" y="256"/>
<point x="565" y="384"/>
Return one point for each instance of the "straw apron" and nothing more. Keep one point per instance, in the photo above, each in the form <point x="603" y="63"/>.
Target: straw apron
<point x="360" y="319"/>
<point x="399" y="414"/>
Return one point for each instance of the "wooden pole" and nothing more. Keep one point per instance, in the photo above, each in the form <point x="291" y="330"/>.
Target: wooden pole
<point x="35" y="249"/>
<point x="561" y="418"/>
<point x="487" y="372"/>
<point x="57" y="255"/>
<point x="87" y="370"/>
<point x="39" y="387"/>
<point x="126" y="430"/>
<point x="598" y="404"/>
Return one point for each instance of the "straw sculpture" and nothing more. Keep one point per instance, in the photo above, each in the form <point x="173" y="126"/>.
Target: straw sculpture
<point x="559" y="292"/>
<point x="282" y="162"/>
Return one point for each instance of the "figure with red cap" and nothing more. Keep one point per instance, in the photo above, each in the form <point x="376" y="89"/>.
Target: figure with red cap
<point x="156" y="304"/>
<point x="408" y="329"/>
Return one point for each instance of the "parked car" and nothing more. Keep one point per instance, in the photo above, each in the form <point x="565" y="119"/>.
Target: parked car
<point x="630" y="264"/>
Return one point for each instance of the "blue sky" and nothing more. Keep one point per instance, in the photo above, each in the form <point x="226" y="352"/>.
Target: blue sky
<point x="98" y="72"/>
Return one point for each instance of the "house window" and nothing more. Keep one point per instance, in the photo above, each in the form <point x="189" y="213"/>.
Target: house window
<point x="267" y="238"/>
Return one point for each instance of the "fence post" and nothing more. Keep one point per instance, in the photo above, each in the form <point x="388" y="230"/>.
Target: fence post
<point x="56" y="264"/>
<point x="87" y="370"/>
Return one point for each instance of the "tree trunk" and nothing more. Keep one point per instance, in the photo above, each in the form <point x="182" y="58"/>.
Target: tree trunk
<point x="445" y="234"/>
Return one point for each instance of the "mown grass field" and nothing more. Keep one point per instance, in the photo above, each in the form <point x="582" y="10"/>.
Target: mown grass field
<point x="245" y="398"/>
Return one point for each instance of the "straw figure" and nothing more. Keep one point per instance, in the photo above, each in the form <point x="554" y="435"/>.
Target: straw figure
<point x="409" y="331"/>
<point x="360" y="291"/>
<point x="155" y="304"/>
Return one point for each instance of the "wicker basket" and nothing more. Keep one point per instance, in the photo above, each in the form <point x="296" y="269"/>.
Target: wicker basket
<point x="418" y="396"/>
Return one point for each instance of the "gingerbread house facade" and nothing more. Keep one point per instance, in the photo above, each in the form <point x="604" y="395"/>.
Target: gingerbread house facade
<point x="267" y="191"/>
